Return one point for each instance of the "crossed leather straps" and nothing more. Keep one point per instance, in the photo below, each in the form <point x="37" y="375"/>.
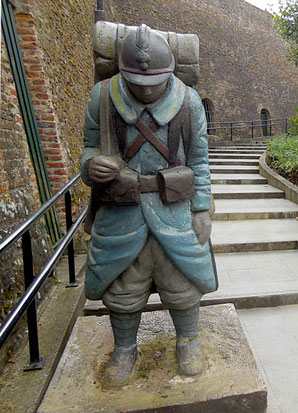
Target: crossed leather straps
<point x="147" y="133"/>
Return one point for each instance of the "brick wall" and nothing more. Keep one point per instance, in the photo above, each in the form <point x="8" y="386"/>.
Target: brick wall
<point x="55" y="154"/>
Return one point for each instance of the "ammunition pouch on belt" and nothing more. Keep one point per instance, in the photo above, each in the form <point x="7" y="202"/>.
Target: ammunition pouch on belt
<point x="173" y="184"/>
<point x="176" y="184"/>
<point x="123" y="190"/>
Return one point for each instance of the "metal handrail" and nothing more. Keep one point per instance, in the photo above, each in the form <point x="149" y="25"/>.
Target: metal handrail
<point x="249" y="121"/>
<point x="252" y="124"/>
<point x="31" y="292"/>
<point x="12" y="238"/>
<point x="32" y="283"/>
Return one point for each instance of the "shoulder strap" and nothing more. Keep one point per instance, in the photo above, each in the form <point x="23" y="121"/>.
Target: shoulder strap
<point x="108" y="140"/>
<point x="120" y="131"/>
<point x="186" y="124"/>
<point x="180" y="124"/>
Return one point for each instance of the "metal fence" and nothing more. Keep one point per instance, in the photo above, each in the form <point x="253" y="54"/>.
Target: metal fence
<point x="34" y="283"/>
<point x="266" y="127"/>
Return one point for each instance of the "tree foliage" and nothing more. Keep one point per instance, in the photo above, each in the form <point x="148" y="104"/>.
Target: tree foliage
<point x="286" y="24"/>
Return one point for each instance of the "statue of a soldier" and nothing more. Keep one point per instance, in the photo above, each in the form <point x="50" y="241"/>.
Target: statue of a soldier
<point x="151" y="200"/>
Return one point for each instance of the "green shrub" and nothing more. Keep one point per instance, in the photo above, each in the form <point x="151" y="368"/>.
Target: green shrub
<point x="293" y="131"/>
<point x="282" y="155"/>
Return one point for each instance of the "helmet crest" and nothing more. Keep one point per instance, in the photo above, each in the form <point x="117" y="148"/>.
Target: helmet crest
<point x="146" y="57"/>
<point x="142" y="43"/>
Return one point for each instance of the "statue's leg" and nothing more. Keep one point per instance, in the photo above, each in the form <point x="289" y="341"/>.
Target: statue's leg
<point x="182" y="297"/>
<point x="125" y="328"/>
<point x="190" y="356"/>
<point x="125" y="298"/>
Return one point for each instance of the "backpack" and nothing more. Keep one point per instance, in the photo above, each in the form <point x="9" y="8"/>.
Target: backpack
<point x="107" y="42"/>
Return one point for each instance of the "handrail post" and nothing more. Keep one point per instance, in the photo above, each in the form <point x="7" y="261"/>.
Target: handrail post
<point x="231" y="131"/>
<point x="70" y="249"/>
<point x="36" y="362"/>
<point x="252" y="129"/>
<point x="270" y="123"/>
<point x="286" y="124"/>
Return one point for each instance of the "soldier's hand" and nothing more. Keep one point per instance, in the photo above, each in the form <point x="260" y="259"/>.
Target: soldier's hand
<point x="104" y="169"/>
<point x="201" y="222"/>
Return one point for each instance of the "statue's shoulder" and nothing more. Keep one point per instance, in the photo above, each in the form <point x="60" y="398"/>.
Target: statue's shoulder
<point x="95" y="92"/>
<point x="194" y="95"/>
<point x="195" y="100"/>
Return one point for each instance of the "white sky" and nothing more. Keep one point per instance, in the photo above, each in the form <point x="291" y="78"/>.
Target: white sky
<point x="265" y="4"/>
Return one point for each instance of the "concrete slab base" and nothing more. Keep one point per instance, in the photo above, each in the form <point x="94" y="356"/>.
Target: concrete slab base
<point x="231" y="382"/>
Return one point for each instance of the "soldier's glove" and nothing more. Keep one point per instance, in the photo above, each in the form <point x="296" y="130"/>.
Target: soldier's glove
<point x="103" y="169"/>
<point x="201" y="222"/>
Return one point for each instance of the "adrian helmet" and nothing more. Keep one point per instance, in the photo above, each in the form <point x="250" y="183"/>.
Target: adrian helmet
<point x="146" y="58"/>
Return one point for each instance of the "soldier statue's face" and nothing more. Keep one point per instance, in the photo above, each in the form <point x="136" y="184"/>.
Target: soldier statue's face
<point x="147" y="94"/>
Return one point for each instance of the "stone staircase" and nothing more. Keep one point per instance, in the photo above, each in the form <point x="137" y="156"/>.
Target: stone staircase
<point x="254" y="231"/>
<point x="264" y="219"/>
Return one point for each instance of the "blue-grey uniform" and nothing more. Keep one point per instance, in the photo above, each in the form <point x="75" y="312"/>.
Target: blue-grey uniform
<point x="123" y="237"/>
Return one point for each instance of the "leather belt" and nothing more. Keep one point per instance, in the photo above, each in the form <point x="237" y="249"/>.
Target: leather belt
<point x="148" y="183"/>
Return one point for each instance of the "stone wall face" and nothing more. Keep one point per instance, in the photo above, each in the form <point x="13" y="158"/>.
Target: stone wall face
<point x="64" y="32"/>
<point x="243" y="63"/>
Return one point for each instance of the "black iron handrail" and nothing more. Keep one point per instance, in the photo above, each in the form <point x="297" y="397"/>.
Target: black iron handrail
<point x="250" y="124"/>
<point x="32" y="283"/>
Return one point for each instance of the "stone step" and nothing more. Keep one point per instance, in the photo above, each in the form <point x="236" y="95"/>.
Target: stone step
<point x="249" y="162"/>
<point x="247" y="209"/>
<point x="245" y="191"/>
<point x="234" y="156"/>
<point x="235" y="151"/>
<point x="241" y="147"/>
<point x="256" y="279"/>
<point x="234" y="169"/>
<point x="254" y="142"/>
<point x="254" y="235"/>
<point x="237" y="179"/>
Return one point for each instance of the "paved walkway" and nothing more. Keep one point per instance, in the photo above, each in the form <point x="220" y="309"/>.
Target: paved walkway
<point x="273" y="336"/>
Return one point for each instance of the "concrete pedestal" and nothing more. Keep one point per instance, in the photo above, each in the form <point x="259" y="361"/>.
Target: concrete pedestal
<point x="231" y="383"/>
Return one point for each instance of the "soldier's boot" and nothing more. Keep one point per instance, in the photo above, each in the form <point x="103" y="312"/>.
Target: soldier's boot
<point x="121" y="365"/>
<point x="190" y="356"/>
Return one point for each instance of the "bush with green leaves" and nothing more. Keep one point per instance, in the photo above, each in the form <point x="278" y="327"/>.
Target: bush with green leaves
<point x="282" y="155"/>
<point x="286" y="24"/>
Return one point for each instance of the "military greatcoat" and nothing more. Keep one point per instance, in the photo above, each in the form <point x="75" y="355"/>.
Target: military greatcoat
<point x="120" y="232"/>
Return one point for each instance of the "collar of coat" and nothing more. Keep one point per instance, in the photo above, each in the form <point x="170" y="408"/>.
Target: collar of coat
<point x="163" y="110"/>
